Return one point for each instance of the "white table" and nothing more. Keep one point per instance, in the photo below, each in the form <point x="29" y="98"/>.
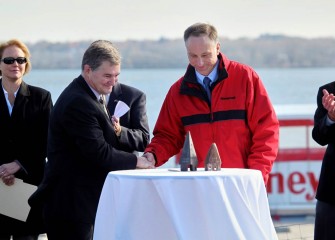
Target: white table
<point x="161" y="204"/>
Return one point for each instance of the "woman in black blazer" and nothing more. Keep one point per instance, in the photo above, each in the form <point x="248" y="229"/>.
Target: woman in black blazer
<point x="24" y="118"/>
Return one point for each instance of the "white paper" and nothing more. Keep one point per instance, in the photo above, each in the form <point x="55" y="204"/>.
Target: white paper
<point x="14" y="199"/>
<point x="120" y="109"/>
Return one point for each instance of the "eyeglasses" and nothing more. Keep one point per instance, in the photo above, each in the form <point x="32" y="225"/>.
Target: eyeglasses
<point x="11" y="60"/>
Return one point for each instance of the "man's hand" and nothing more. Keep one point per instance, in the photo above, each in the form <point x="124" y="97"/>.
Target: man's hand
<point x="329" y="103"/>
<point x="117" y="126"/>
<point x="150" y="157"/>
<point x="143" y="162"/>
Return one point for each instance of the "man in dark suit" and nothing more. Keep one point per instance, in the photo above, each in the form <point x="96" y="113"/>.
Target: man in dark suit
<point x="324" y="134"/>
<point x="24" y="118"/>
<point x="82" y="148"/>
<point x="132" y="128"/>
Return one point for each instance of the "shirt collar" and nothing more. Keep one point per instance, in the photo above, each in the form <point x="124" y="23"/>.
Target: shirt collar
<point x="97" y="95"/>
<point x="10" y="108"/>
<point x="6" y="93"/>
<point x="213" y="75"/>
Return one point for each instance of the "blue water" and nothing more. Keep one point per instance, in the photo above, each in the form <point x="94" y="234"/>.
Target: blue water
<point x="285" y="86"/>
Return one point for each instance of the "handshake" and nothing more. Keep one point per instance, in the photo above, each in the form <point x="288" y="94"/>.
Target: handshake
<point x="147" y="160"/>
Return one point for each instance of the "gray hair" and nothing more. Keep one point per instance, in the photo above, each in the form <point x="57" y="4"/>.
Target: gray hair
<point x="100" y="51"/>
<point x="199" y="29"/>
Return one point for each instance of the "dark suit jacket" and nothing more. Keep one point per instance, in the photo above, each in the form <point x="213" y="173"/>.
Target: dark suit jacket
<point x="135" y="134"/>
<point x="82" y="149"/>
<point x="324" y="135"/>
<point x="23" y="136"/>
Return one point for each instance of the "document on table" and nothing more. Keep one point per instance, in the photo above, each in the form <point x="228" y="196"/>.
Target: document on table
<point x="14" y="199"/>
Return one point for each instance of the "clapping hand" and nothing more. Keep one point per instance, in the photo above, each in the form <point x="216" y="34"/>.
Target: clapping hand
<point x="329" y="103"/>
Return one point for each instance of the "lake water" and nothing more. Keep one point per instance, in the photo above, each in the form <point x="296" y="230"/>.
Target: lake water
<point x="285" y="86"/>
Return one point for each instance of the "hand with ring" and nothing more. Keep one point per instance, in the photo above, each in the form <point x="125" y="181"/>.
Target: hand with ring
<point x="8" y="169"/>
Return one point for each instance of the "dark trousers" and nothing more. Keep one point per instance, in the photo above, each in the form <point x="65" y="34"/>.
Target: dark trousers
<point x="18" y="229"/>
<point x="67" y="230"/>
<point x="324" y="228"/>
<point x="16" y="237"/>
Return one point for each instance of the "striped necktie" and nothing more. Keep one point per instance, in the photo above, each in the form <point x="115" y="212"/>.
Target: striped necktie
<point x="102" y="100"/>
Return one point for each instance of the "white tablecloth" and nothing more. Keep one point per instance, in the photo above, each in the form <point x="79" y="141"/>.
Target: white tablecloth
<point x="161" y="204"/>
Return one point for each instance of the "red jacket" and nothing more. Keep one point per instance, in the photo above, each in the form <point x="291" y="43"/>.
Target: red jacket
<point x="240" y="119"/>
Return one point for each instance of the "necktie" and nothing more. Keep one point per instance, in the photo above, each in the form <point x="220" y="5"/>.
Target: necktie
<point x="102" y="100"/>
<point x="207" y="82"/>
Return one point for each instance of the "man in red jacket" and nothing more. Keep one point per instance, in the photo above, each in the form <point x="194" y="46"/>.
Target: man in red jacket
<point x="236" y="114"/>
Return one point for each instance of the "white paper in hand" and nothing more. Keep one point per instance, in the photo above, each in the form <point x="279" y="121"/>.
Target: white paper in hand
<point x="14" y="199"/>
<point x="120" y="109"/>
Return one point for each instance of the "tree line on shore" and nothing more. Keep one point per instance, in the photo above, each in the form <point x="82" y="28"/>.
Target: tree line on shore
<point x="265" y="51"/>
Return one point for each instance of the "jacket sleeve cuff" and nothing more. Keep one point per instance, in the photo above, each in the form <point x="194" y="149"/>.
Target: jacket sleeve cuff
<point x="21" y="167"/>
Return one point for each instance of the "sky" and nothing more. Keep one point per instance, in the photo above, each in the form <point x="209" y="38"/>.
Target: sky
<point x="120" y="20"/>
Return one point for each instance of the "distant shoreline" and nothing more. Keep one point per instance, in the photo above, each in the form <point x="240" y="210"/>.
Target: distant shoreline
<point x="266" y="51"/>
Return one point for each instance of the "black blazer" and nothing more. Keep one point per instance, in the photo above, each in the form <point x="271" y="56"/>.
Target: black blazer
<point x="135" y="134"/>
<point x="23" y="136"/>
<point x="82" y="149"/>
<point x="324" y="135"/>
